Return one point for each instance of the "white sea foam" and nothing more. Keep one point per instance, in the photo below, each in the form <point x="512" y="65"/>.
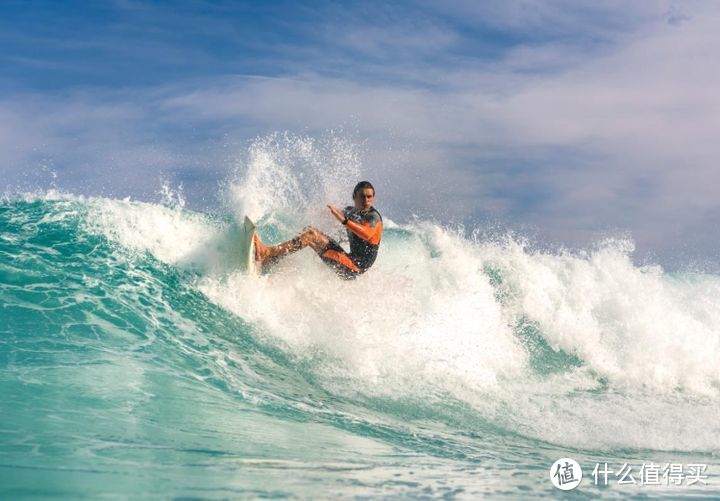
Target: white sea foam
<point x="424" y="327"/>
<point x="428" y="322"/>
<point x="637" y="326"/>
<point x="168" y="233"/>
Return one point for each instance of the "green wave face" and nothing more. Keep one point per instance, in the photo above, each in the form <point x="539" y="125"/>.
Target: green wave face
<point x="137" y="362"/>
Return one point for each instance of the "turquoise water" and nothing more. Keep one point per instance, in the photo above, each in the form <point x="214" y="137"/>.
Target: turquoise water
<point x="135" y="362"/>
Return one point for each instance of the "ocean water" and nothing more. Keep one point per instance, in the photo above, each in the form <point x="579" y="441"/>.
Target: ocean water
<point x="137" y="362"/>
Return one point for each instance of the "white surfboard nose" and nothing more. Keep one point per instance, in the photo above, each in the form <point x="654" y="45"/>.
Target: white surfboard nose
<point x="246" y="252"/>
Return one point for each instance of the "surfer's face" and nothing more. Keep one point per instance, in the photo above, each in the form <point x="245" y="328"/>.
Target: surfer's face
<point x="364" y="198"/>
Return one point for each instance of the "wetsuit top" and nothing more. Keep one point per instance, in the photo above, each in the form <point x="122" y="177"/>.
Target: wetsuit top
<point x="364" y="229"/>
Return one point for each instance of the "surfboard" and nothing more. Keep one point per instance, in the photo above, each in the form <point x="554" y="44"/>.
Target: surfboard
<point x="246" y="249"/>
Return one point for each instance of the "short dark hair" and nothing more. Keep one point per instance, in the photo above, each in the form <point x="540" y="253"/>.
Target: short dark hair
<point x="361" y="186"/>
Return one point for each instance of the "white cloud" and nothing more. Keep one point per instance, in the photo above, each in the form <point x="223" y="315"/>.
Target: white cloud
<point x="640" y="120"/>
<point x="576" y="138"/>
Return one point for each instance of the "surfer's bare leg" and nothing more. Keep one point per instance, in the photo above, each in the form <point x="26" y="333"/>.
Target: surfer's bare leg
<point x="310" y="237"/>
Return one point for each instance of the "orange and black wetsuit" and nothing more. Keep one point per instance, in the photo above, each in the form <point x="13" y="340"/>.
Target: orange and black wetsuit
<point x="364" y="228"/>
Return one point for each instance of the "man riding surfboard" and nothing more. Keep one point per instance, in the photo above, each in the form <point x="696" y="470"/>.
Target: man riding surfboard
<point x="364" y="229"/>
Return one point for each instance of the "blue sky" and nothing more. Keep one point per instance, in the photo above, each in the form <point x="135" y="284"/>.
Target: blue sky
<point x="571" y="120"/>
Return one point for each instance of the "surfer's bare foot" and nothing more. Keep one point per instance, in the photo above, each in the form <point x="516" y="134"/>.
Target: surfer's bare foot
<point x="261" y="251"/>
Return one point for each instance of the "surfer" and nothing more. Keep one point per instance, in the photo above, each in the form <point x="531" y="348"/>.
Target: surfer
<point x="364" y="229"/>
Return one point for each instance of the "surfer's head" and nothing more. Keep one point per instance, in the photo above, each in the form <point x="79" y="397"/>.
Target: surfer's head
<point x="363" y="195"/>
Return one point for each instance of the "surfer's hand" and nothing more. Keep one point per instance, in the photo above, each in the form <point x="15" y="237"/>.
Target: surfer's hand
<point x="339" y="215"/>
